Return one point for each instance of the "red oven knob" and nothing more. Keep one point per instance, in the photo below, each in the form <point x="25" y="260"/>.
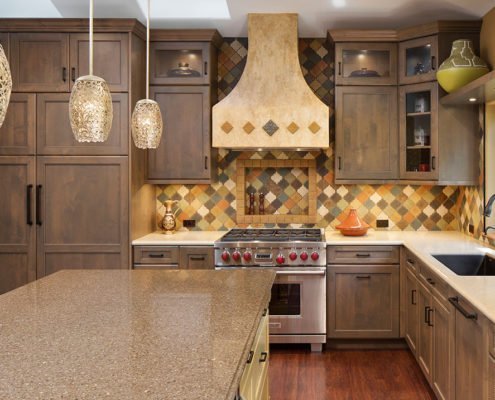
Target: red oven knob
<point x="236" y="255"/>
<point x="303" y="256"/>
<point x="247" y="256"/>
<point x="293" y="255"/>
<point x="315" y="256"/>
<point x="280" y="259"/>
<point x="225" y="256"/>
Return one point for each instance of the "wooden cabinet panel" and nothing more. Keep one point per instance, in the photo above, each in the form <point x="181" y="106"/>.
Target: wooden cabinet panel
<point x="184" y="152"/>
<point x="4" y="41"/>
<point x="366" y="133"/>
<point x="18" y="132"/>
<point x="425" y="338"/>
<point x="83" y="213"/>
<point x="17" y="235"/>
<point x="110" y="58"/>
<point x="443" y="357"/>
<point x="55" y="135"/>
<point x="40" y="62"/>
<point x="363" y="301"/>
<point x="363" y="254"/>
<point x="412" y="322"/>
<point x="196" y="257"/>
<point x="166" y="255"/>
<point x="491" y="378"/>
<point x="470" y="355"/>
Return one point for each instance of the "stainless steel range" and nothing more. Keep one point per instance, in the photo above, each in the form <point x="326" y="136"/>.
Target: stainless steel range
<point x="298" y="302"/>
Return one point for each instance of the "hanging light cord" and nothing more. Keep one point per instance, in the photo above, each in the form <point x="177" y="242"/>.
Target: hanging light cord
<point x="90" y="37"/>
<point x="147" y="52"/>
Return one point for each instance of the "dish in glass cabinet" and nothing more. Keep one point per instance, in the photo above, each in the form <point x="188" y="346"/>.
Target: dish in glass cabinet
<point x="184" y="71"/>
<point x="364" y="73"/>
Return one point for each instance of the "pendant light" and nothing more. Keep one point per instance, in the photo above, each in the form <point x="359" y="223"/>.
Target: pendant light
<point x="5" y="85"/>
<point x="90" y="106"/>
<point x="147" y="125"/>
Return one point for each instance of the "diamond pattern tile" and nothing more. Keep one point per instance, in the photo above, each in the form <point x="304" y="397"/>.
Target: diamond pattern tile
<point x="293" y="127"/>
<point x="270" y="127"/>
<point x="227" y="127"/>
<point x="248" y="127"/>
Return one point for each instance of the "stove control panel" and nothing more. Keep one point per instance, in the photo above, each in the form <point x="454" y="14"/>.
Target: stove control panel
<point x="270" y="256"/>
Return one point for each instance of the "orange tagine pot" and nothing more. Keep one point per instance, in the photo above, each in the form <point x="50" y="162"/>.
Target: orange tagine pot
<point x="353" y="225"/>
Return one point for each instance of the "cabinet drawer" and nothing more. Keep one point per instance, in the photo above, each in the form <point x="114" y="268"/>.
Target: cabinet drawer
<point x="196" y="257"/>
<point x="411" y="262"/>
<point x="431" y="280"/>
<point x="363" y="254"/>
<point x="156" y="255"/>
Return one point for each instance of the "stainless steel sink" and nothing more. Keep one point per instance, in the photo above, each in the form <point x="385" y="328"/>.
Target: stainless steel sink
<point x="468" y="264"/>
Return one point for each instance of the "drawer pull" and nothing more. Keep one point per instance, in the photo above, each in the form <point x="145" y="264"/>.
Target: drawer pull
<point x="197" y="258"/>
<point x="430" y="281"/>
<point x="363" y="255"/>
<point x="430" y="311"/>
<point x="156" y="256"/>
<point x="264" y="356"/>
<point x="363" y="276"/>
<point x="413" y="297"/>
<point x="426" y="314"/>
<point x="410" y="261"/>
<point x="250" y="357"/>
<point x="455" y="302"/>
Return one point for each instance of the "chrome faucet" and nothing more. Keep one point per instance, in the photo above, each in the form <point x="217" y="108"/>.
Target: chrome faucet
<point x="488" y="211"/>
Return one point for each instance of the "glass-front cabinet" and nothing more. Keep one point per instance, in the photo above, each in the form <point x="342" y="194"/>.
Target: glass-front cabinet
<point x="419" y="131"/>
<point x="366" y="63"/>
<point x="418" y="60"/>
<point x="179" y="63"/>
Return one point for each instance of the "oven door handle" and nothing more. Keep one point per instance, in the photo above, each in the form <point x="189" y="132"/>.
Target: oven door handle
<point x="301" y="272"/>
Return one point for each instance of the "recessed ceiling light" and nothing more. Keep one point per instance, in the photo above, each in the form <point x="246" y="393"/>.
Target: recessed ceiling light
<point x="473" y="99"/>
<point x="339" y="3"/>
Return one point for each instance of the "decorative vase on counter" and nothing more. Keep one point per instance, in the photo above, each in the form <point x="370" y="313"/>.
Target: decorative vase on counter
<point x="168" y="222"/>
<point x="353" y="225"/>
<point x="462" y="67"/>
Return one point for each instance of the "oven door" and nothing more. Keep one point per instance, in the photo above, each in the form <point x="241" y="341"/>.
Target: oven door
<point x="298" y="302"/>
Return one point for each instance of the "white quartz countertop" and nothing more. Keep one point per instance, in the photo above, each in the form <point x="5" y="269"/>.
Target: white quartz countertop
<point x="478" y="290"/>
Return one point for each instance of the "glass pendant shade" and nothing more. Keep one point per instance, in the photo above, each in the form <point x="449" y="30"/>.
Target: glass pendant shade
<point x="147" y="125"/>
<point x="5" y="85"/>
<point x="90" y="109"/>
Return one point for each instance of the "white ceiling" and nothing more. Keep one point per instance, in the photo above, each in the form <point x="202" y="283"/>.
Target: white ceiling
<point x="229" y="16"/>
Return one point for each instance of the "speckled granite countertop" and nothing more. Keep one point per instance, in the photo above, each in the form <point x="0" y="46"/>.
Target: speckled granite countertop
<point x="166" y="335"/>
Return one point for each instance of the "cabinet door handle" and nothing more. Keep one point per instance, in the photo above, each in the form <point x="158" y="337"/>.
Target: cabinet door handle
<point x="339" y="160"/>
<point x="206" y="68"/>
<point x="434" y="163"/>
<point x="430" y="313"/>
<point x="426" y="314"/>
<point x="340" y="68"/>
<point x="29" y="214"/>
<point x="39" y="221"/>
<point x="433" y="63"/>
<point x="64" y="74"/>
<point x="73" y="74"/>
<point x="197" y="258"/>
<point x="413" y="297"/>
<point x="455" y="302"/>
<point x="410" y="261"/>
<point x="206" y="162"/>
<point x="156" y="255"/>
<point x="363" y="255"/>
<point x="264" y="356"/>
<point x="250" y="357"/>
<point x="363" y="276"/>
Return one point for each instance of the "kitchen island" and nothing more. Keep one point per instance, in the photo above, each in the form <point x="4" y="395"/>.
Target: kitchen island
<point x="130" y="334"/>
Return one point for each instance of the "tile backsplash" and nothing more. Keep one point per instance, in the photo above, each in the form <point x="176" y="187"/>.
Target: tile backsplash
<point x="406" y="207"/>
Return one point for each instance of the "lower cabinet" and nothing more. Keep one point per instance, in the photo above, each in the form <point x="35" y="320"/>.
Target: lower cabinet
<point x="425" y="338"/>
<point x="411" y="310"/>
<point x="491" y="377"/>
<point x="173" y="257"/>
<point x="254" y="380"/>
<point x="363" y="301"/>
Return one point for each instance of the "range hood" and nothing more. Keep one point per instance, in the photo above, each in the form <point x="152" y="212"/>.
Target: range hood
<point x="272" y="106"/>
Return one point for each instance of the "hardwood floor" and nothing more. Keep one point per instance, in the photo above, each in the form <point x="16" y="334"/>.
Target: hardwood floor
<point x="295" y="373"/>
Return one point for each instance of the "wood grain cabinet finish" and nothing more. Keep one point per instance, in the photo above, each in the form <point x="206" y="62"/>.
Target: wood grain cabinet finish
<point x="110" y="58"/>
<point x="491" y="378"/>
<point x="39" y="62"/>
<point x="184" y="154"/>
<point x="161" y="256"/>
<point x="18" y="132"/>
<point x="55" y="135"/>
<point x="411" y="311"/>
<point x="192" y="257"/>
<point x="363" y="301"/>
<point x="470" y="354"/>
<point x="366" y="133"/>
<point x="425" y="338"/>
<point x="363" y="254"/>
<point x="4" y="41"/>
<point x="17" y="216"/>
<point x="82" y="213"/>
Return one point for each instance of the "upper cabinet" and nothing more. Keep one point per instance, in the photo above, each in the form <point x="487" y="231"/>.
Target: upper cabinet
<point x="418" y="60"/>
<point x="51" y="62"/>
<point x="39" y="62"/>
<point x="366" y="63"/>
<point x="181" y="63"/>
